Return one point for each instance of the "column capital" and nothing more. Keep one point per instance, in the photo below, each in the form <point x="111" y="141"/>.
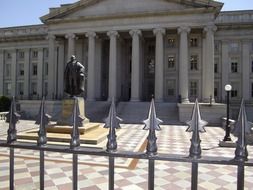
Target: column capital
<point x="112" y="33"/>
<point x="135" y="32"/>
<point x="183" y="29"/>
<point x="210" y="28"/>
<point x="90" y="34"/>
<point x="70" y="36"/>
<point x="50" y="37"/>
<point x="159" y="31"/>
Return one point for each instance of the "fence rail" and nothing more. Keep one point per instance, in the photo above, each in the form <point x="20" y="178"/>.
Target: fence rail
<point x="152" y="124"/>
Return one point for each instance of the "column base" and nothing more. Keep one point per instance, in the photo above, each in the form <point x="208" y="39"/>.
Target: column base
<point x="158" y="100"/>
<point x="185" y="100"/>
<point x="207" y="100"/>
<point x="135" y="100"/>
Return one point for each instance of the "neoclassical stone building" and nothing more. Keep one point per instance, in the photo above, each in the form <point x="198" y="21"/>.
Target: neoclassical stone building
<point x="175" y="50"/>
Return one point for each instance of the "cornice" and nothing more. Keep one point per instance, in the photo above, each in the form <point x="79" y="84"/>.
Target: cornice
<point x="23" y="32"/>
<point x="132" y="15"/>
<point x="67" y="9"/>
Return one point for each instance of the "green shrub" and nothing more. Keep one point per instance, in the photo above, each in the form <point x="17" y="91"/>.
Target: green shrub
<point x="5" y="103"/>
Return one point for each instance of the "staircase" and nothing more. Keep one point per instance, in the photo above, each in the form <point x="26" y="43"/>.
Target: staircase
<point x="132" y="112"/>
<point x="97" y="111"/>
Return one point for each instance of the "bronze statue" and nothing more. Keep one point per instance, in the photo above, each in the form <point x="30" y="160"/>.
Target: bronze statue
<point x="74" y="76"/>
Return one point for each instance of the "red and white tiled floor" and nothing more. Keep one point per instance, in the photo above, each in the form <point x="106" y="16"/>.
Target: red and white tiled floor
<point x="93" y="176"/>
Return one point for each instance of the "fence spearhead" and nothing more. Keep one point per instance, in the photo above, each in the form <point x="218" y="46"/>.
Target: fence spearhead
<point x="12" y="118"/>
<point x="152" y="119"/>
<point x="242" y="127"/>
<point x="112" y="122"/>
<point x="152" y="124"/>
<point x="42" y="120"/>
<point x="196" y="125"/>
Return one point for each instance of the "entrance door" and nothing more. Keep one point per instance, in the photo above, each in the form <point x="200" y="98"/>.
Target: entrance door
<point x="105" y="69"/>
<point x="149" y="69"/>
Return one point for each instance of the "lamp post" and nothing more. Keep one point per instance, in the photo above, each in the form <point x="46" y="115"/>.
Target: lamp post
<point x="227" y="137"/>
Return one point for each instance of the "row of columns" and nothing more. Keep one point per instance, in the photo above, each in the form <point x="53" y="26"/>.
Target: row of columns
<point x="183" y="32"/>
<point x="26" y="79"/>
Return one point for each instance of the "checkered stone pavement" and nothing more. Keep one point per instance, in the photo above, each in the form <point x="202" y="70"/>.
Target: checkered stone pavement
<point x="168" y="175"/>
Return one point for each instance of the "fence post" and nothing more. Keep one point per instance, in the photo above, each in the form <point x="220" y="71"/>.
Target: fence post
<point x="42" y="120"/>
<point x="75" y="142"/>
<point x="112" y="122"/>
<point x="12" y="118"/>
<point x="242" y="127"/>
<point x="194" y="180"/>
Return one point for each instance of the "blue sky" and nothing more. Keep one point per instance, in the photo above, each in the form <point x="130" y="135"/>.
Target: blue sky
<point x="27" y="12"/>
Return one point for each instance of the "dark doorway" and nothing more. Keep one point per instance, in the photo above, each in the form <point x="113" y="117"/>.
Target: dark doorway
<point x="149" y="69"/>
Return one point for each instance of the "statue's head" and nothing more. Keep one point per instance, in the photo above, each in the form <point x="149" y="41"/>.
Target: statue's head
<point x="72" y="58"/>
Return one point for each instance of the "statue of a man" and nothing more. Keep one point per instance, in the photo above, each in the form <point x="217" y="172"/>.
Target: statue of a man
<point x="74" y="76"/>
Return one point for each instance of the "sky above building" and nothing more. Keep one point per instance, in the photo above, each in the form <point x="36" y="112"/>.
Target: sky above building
<point x="28" y="12"/>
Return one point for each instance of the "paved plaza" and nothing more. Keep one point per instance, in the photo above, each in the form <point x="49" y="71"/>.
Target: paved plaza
<point x="93" y="171"/>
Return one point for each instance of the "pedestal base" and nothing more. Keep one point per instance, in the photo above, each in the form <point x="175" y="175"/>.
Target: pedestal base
<point x="229" y="144"/>
<point x="67" y="111"/>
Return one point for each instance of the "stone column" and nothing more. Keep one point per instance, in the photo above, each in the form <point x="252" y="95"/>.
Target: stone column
<point x="159" y="62"/>
<point x="135" y="75"/>
<point x="40" y="72"/>
<point x="112" y="92"/>
<point x="246" y="68"/>
<point x="209" y="63"/>
<point x="61" y="68"/>
<point x="13" y="72"/>
<point x="51" y="67"/>
<point x="27" y="74"/>
<point x="183" y="64"/>
<point x="224" y="67"/>
<point x="71" y="44"/>
<point x="2" y="72"/>
<point x="91" y="87"/>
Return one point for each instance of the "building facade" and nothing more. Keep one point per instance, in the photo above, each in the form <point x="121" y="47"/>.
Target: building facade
<point x="171" y="49"/>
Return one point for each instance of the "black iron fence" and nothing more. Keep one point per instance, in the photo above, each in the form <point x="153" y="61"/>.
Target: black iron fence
<point x="196" y="125"/>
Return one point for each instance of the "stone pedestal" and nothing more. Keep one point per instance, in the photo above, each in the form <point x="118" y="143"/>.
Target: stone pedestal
<point x="67" y="111"/>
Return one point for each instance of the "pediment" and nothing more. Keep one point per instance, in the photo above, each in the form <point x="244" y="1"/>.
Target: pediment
<point x="103" y="8"/>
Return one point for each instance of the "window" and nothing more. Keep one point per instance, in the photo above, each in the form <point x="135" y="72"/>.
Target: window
<point x="21" y="71"/>
<point x="252" y="66"/>
<point x="171" y="42"/>
<point x="216" y="89"/>
<point x="234" y="93"/>
<point x="194" y="42"/>
<point x="252" y="90"/>
<point x="8" y="55"/>
<point x="34" y="69"/>
<point x="21" y="88"/>
<point x="151" y="66"/>
<point x="46" y="68"/>
<point x="234" y="47"/>
<point x="194" y="62"/>
<point x="216" y="65"/>
<point x="7" y="70"/>
<point x="46" y="53"/>
<point x="234" y="67"/>
<point x="151" y="49"/>
<point x="34" y="88"/>
<point x="34" y="54"/>
<point x="193" y="88"/>
<point x="21" y="55"/>
<point x="7" y="89"/>
<point x="171" y="88"/>
<point x="216" y="46"/>
<point x="45" y="89"/>
<point x="171" y="62"/>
